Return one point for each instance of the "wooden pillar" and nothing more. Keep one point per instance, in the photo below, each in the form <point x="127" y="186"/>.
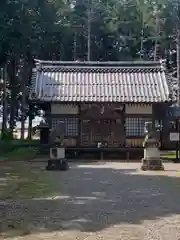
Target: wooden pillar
<point x="30" y="121"/>
<point x="48" y="115"/>
<point x="154" y="115"/>
<point x="79" y="125"/>
<point x="124" y="123"/>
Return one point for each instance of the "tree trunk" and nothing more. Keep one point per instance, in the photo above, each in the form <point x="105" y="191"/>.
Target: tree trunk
<point x="178" y="64"/>
<point x="23" y="112"/>
<point x="13" y="86"/>
<point x="75" y="46"/>
<point x="157" y="29"/>
<point x="89" y="34"/>
<point x="30" y="123"/>
<point x="25" y="79"/>
<point x="29" y="74"/>
<point x="5" y="114"/>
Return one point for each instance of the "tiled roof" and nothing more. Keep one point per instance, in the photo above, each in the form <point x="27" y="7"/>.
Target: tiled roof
<point x="100" y="82"/>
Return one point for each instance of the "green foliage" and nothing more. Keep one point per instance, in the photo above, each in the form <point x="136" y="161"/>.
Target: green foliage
<point x="46" y="28"/>
<point x="18" y="153"/>
<point x="6" y="135"/>
<point x="58" y="30"/>
<point x="7" y="147"/>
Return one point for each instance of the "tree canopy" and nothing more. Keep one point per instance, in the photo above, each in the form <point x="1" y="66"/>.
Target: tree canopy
<point x="58" y="29"/>
<point x="97" y="30"/>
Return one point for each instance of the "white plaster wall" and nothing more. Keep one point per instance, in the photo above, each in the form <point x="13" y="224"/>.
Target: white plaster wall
<point x="64" y="109"/>
<point x="138" y="109"/>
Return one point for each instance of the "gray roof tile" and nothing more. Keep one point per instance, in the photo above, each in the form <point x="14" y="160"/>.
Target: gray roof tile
<point x="100" y="82"/>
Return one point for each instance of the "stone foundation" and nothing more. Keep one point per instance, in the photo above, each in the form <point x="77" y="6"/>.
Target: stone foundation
<point x="152" y="164"/>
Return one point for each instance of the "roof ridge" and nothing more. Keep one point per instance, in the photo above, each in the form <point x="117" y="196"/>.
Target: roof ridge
<point x="99" y="67"/>
<point x="99" y="64"/>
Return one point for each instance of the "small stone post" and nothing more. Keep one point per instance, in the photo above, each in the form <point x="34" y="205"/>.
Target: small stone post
<point x="152" y="159"/>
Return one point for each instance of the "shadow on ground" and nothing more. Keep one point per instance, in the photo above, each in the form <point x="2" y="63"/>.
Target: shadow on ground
<point x="90" y="198"/>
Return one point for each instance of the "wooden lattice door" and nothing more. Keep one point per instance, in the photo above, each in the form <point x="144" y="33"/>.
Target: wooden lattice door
<point x="117" y="133"/>
<point x="113" y="132"/>
<point x="85" y="133"/>
<point x="91" y="132"/>
<point x="96" y="132"/>
<point x="109" y="131"/>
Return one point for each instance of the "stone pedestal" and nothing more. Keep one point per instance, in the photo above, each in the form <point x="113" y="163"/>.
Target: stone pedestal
<point x="151" y="152"/>
<point x="57" y="159"/>
<point x="60" y="153"/>
<point x="152" y="159"/>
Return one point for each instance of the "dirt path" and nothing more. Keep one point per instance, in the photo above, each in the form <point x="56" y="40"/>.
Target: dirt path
<point x="103" y="201"/>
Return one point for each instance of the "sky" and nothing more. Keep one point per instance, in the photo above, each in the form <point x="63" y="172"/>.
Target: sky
<point x="36" y="121"/>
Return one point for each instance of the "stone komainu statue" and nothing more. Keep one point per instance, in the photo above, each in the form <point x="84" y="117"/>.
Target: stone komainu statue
<point x="57" y="134"/>
<point x="152" y="158"/>
<point x="57" y="159"/>
<point x="152" y="136"/>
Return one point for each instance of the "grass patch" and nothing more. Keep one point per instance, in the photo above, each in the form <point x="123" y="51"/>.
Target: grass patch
<point x="21" y="180"/>
<point x="25" y="142"/>
<point x="18" y="181"/>
<point x="20" y="154"/>
<point x="169" y="155"/>
<point x="18" y="149"/>
<point x="18" y="177"/>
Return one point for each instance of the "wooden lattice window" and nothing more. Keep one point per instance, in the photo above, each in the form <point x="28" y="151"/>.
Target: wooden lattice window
<point x="135" y="126"/>
<point x="70" y="124"/>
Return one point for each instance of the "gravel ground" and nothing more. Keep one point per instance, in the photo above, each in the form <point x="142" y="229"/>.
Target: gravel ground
<point x="103" y="201"/>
